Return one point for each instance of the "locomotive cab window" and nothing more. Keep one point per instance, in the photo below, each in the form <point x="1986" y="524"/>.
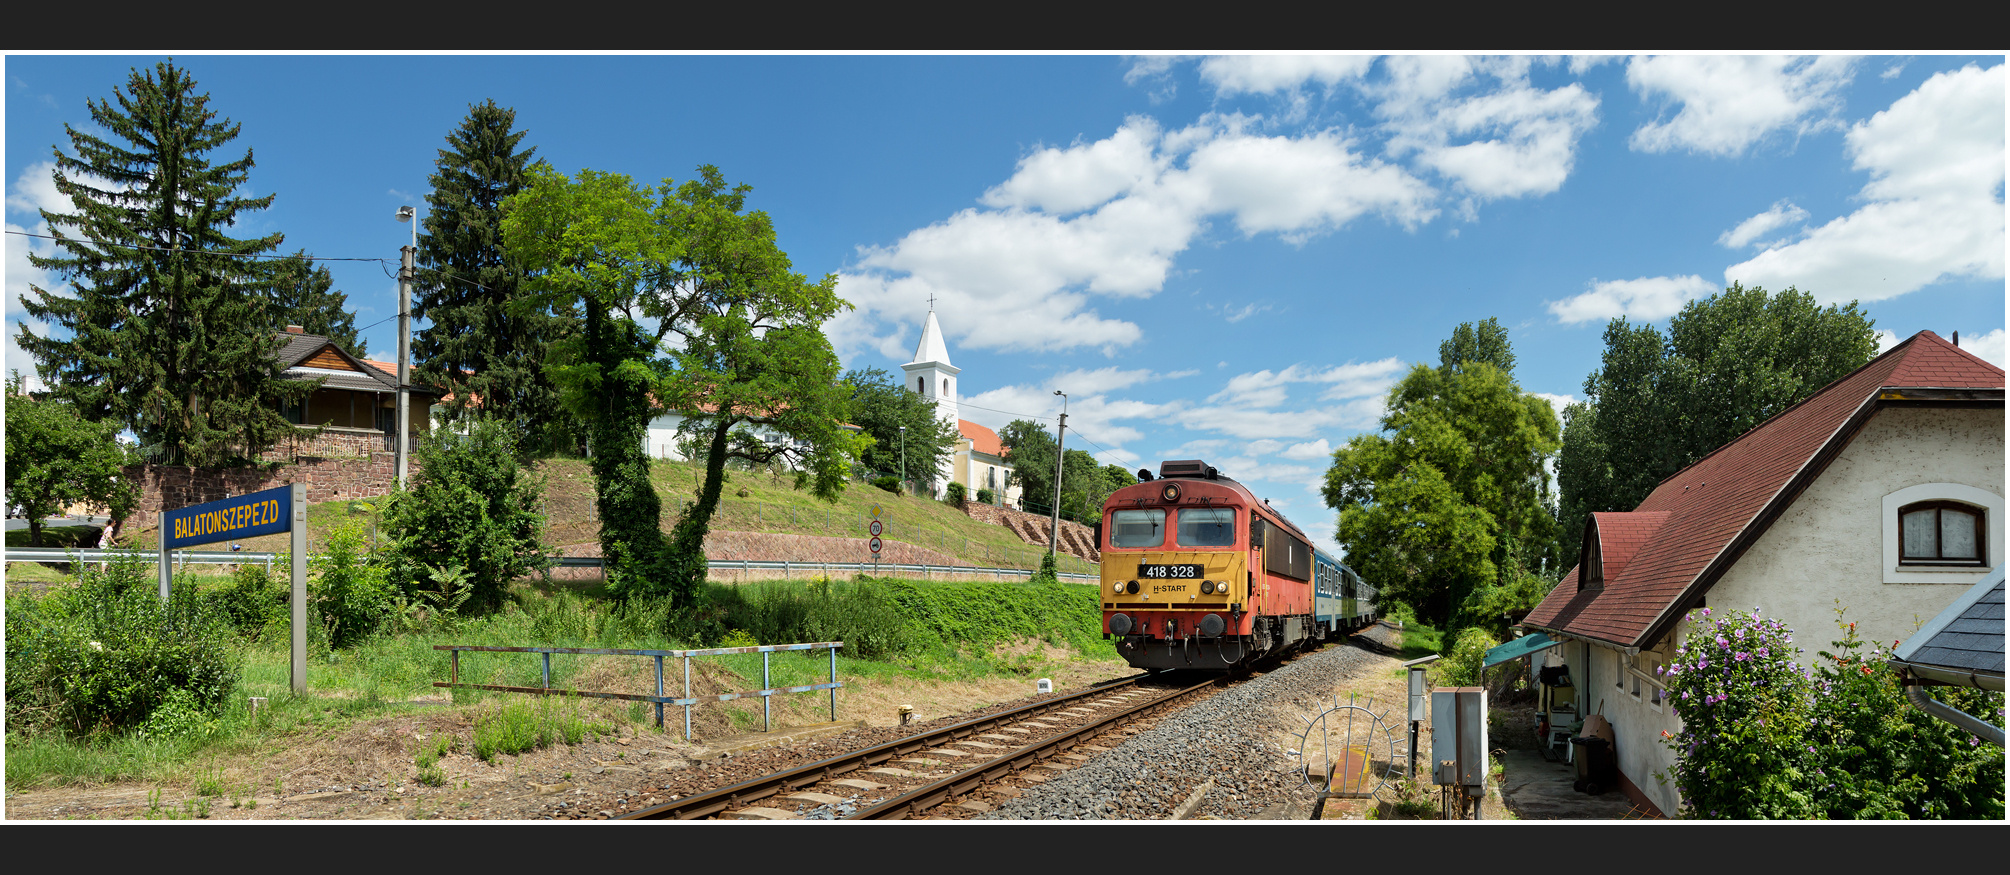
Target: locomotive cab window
<point x="1206" y="527"/>
<point x="1137" y="528"/>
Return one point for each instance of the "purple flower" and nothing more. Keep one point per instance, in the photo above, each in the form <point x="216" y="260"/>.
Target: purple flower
<point x="1742" y="656"/>
<point x="1723" y="643"/>
<point x="1762" y="653"/>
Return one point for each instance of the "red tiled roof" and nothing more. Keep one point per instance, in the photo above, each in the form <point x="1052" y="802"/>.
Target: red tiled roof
<point x="1688" y="530"/>
<point x="982" y="440"/>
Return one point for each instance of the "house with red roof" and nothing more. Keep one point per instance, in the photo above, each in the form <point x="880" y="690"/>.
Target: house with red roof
<point x="1883" y="492"/>
<point x="356" y="407"/>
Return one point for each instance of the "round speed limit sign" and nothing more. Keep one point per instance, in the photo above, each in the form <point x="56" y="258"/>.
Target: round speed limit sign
<point x="876" y="528"/>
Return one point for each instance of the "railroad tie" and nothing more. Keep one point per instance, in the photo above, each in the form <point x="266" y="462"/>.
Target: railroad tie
<point x="762" y="814"/>
<point x="815" y="798"/>
<point x="859" y="784"/>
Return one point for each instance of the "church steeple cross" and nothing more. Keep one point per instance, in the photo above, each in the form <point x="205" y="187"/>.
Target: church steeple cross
<point x="931" y="301"/>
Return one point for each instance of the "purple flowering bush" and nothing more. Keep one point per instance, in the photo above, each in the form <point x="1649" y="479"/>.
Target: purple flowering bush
<point x="1745" y="706"/>
<point x="1765" y="738"/>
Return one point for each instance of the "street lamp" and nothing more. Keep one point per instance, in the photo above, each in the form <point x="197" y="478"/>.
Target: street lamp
<point x="406" y="267"/>
<point x="1060" y="452"/>
<point x="903" y="461"/>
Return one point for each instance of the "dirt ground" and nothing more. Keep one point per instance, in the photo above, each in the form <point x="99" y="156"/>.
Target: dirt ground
<point x="369" y="771"/>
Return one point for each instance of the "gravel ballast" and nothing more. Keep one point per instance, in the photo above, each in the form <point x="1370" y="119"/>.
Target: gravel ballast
<point x="1229" y="739"/>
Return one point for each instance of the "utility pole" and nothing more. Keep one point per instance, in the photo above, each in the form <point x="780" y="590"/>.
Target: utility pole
<point x="407" y="266"/>
<point x="1060" y="453"/>
<point x="904" y="489"/>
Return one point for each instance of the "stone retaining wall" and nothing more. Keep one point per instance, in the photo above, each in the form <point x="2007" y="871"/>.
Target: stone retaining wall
<point x="1076" y="539"/>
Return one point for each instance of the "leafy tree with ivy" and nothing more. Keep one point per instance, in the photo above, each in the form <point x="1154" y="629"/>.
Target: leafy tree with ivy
<point x="736" y="348"/>
<point x="56" y="458"/>
<point x="166" y="327"/>
<point x="1449" y="502"/>
<point x="1659" y="402"/>
<point x="482" y="340"/>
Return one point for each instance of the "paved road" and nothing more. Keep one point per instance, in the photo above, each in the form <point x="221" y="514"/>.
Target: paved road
<point x="16" y="523"/>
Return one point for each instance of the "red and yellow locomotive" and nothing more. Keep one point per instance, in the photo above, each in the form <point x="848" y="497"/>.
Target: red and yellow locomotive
<point x="1199" y="573"/>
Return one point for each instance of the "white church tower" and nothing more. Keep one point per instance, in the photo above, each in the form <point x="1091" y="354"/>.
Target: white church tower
<point x="931" y="375"/>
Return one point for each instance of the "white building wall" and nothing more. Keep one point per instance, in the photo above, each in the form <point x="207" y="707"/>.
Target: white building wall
<point x="1829" y="547"/>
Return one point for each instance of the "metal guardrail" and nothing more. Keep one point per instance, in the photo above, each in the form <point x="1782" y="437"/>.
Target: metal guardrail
<point x="687" y="700"/>
<point x="221" y="557"/>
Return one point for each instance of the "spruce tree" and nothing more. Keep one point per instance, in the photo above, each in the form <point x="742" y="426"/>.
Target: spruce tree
<point x="303" y="294"/>
<point x="477" y="345"/>
<point x="166" y="323"/>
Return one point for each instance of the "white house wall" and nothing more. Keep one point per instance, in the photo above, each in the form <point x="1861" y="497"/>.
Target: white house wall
<point x="1829" y="547"/>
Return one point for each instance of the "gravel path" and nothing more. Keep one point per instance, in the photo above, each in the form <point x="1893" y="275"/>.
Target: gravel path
<point x="1224" y="739"/>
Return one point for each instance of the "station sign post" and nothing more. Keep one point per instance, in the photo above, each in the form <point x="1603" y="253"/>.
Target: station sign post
<point x="282" y="509"/>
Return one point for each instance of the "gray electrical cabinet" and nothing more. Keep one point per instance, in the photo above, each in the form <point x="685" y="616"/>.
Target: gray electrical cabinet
<point x="1459" y="737"/>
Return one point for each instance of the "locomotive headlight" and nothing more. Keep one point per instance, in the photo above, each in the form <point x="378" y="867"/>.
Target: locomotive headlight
<point x="1207" y="587"/>
<point x="1132" y="588"/>
<point x="1117" y="587"/>
<point x="1170" y="493"/>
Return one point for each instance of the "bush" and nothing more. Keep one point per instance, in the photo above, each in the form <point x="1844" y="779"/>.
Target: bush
<point x="351" y="594"/>
<point x="870" y="625"/>
<point x="472" y="505"/>
<point x="889" y="483"/>
<point x="1047" y="573"/>
<point x="957" y="494"/>
<point x="986" y="496"/>
<point x="254" y="601"/>
<point x="107" y="654"/>
<point x="1461" y="667"/>
<point x="1763" y="737"/>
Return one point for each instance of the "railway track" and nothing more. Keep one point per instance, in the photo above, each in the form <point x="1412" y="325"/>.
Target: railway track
<point x="995" y="757"/>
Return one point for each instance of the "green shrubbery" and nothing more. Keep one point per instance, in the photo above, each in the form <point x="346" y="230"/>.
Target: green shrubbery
<point x="957" y="493"/>
<point x="471" y="506"/>
<point x="1764" y="738"/>
<point x="986" y="496"/>
<point x="107" y="654"/>
<point x="860" y="614"/>
<point x="1461" y="667"/>
<point x="889" y="483"/>
<point x="351" y="593"/>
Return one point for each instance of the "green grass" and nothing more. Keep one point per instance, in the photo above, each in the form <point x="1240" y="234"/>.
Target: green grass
<point x="952" y="628"/>
<point x="55" y="538"/>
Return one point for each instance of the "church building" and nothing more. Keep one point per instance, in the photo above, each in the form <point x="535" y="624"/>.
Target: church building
<point x="979" y="460"/>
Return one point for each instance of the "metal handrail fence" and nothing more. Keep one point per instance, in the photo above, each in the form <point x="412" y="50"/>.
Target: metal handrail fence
<point x="687" y="700"/>
<point x="787" y="567"/>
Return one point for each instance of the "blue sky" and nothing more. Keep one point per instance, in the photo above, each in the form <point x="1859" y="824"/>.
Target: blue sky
<point x="1229" y="258"/>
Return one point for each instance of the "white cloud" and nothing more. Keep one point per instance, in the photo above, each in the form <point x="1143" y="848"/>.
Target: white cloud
<point x="1084" y="383"/>
<point x="1892" y="71"/>
<point x="1318" y="449"/>
<point x="1064" y="181"/>
<point x="35" y="190"/>
<point x="1302" y="186"/>
<point x="1107" y="219"/>
<point x="1779" y="215"/>
<point x="1264" y="74"/>
<point x="1645" y="299"/>
<point x="1886" y="339"/>
<point x="1507" y="139"/>
<point x="1728" y="103"/>
<point x="1935" y="209"/>
<point x="1987" y="347"/>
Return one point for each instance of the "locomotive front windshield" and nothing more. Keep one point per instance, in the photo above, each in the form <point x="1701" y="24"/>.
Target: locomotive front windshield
<point x="1206" y="527"/>
<point x="1137" y="528"/>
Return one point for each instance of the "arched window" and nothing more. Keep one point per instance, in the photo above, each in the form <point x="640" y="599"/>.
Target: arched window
<point x="945" y="385"/>
<point x="921" y="385"/>
<point x="1942" y="533"/>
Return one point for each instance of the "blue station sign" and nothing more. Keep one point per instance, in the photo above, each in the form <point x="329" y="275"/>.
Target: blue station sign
<point x="261" y="513"/>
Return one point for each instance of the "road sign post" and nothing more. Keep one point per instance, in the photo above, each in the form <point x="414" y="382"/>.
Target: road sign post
<point x="874" y="528"/>
<point x="283" y="509"/>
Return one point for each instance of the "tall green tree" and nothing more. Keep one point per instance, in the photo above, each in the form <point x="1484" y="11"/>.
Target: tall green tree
<point x="1473" y="343"/>
<point x="736" y="347"/>
<point x="55" y="458"/>
<point x="1448" y="503"/>
<point x="880" y="407"/>
<point x="1030" y="449"/>
<point x="1659" y="402"/>
<point x="303" y="294"/>
<point x="166" y="327"/>
<point x="480" y="341"/>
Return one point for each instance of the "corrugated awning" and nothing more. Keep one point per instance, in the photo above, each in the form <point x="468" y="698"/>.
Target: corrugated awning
<point x="1518" y="648"/>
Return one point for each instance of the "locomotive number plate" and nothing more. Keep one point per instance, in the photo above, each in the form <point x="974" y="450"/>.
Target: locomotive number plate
<point x="1190" y="571"/>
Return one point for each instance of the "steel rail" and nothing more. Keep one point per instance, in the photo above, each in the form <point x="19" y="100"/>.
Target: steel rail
<point x="923" y="798"/>
<point x="754" y="789"/>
